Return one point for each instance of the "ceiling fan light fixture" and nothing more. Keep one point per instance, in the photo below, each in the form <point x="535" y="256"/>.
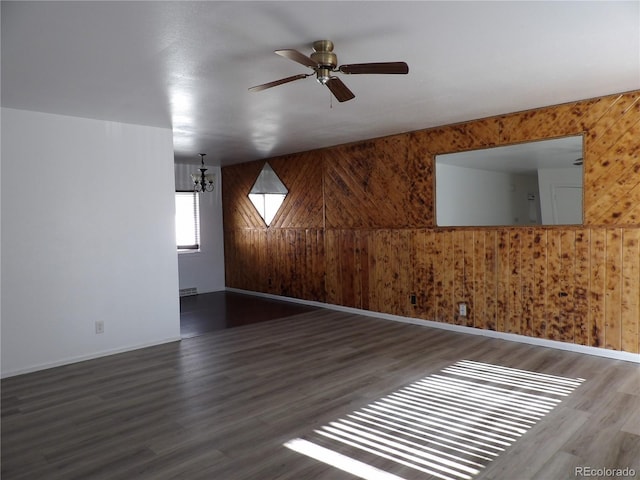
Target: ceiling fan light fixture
<point x="323" y="75"/>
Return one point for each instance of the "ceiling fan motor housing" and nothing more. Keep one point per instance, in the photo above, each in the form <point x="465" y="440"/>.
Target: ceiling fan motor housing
<point x="323" y="54"/>
<point x="325" y="58"/>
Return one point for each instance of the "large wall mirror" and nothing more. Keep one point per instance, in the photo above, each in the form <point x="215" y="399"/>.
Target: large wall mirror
<point x="534" y="183"/>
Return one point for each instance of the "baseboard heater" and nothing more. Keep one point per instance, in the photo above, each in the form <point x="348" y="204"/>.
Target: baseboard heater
<point x="186" y="292"/>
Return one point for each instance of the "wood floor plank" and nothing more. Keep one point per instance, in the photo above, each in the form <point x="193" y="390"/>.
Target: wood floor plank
<point x="558" y="466"/>
<point x="223" y="405"/>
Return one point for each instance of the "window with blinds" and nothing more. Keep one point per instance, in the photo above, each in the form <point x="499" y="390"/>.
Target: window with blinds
<point x="187" y="220"/>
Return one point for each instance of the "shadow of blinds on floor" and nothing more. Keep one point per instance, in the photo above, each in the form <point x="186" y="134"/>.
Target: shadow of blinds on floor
<point x="450" y="424"/>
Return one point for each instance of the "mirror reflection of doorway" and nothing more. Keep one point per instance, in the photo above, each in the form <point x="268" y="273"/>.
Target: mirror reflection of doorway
<point x="566" y="204"/>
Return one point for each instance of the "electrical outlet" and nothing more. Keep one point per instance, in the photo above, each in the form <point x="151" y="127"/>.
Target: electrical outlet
<point x="99" y="327"/>
<point x="462" y="309"/>
<point x="413" y="299"/>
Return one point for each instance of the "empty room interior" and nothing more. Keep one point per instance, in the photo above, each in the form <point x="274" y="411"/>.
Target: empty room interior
<point x="320" y="240"/>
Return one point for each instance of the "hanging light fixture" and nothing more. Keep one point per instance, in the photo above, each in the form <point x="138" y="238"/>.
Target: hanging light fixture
<point x="203" y="182"/>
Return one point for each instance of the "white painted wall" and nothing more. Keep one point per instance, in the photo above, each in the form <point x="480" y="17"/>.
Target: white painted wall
<point x="470" y="196"/>
<point x="87" y="234"/>
<point x="204" y="270"/>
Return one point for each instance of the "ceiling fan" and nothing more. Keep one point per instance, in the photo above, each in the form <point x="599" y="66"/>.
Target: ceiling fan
<point x="324" y="63"/>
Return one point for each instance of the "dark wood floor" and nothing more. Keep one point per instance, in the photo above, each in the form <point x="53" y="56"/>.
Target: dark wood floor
<point x="240" y="403"/>
<point x="209" y="312"/>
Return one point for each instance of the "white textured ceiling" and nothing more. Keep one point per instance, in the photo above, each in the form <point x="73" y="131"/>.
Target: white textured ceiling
<point x="188" y="65"/>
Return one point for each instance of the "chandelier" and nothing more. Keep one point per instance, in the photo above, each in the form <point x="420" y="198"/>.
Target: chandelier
<point x="203" y="182"/>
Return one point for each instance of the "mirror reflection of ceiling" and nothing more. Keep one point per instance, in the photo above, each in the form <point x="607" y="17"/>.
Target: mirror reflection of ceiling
<point x="522" y="158"/>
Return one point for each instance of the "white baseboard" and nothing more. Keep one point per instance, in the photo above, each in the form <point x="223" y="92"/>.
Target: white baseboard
<point x="82" y="358"/>
<point x="571" y="347"/>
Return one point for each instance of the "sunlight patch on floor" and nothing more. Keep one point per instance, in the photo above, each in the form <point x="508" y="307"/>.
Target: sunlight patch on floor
<point x="450" y="424"/>
<point x="342" y="462"/>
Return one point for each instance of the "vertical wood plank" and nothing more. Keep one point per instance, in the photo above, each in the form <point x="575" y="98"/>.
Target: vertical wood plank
<point x="554" y="287"/>
<point x="503" y="276"/>
<point x="479" y="280"/>
<point x="331" y="267"/>
<point x="540" y="292"/>
<point x="375" y="264"/>
<point x="285" y="261"/>
<point x="347" y="268"/>
<point x="631" y="291"/>
<point x="469" y="277"/>
<point x="438" y="275"/>
<point x="365" y="275"/>
<point x="417" y="272"/>
<point x="277" y="241"/>
<point x="491" y="280"/>
<point x="430" y="265"/>
<point x="391" y="274"/>
<point x="304" y="282"/>
<point x="404" y="273"/>
<point x="260" y="238"/>
<point x="273" y="253"/>
<point x="384" y="271"/>
<point x="295" y="256"/>
<point x="581" y="287"/>
<point x="319" y="263"/>
<point x="597" y="288"/>
<point x="371" y="282"/>
<point x="358" y="269"/>
<point x="249" y="241"/>
<point x="356" y="245"/>
<point x="513" y="318"/>
<point x="458" y="275"/>
<point x="527" y="282"/>
<point x="613" y="297"/>
<point x="567" y="273"/>
<point x="308" y="289"/>
<point x="420" y="280"/>
<point x="316" y="276"/>
<point x="446" y="305"/>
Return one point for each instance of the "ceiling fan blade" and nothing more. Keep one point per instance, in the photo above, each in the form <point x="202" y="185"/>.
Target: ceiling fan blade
<point x="275" y="83"/>
<point x="339" y="89"/>
<point x="296" y="56"/>
<point x="381" y="67"/>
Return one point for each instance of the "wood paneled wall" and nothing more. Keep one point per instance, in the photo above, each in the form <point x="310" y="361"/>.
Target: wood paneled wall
<point x="358" y="229"/>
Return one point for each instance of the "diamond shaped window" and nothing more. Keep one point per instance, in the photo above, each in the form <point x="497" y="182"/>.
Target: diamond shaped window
<point x="268" y="193"/>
